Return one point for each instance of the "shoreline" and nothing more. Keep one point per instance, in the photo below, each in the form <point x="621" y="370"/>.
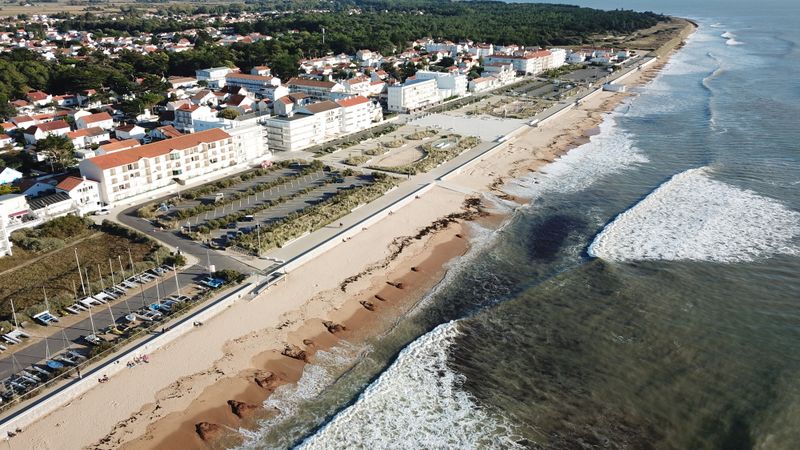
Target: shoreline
<point x="157" y="412"/>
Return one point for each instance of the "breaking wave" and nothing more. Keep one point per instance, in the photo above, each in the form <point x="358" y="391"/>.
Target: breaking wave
<point x="416" y="403"/>
<point x="730" y="38"/>
<point x="693" y="217"/>
<point x="606" y="153"/>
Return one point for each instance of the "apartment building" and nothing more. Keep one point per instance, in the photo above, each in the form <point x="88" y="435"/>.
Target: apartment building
<point x="248" y="133"/>
<point x="412" y="95"/>
<point x="358" y="113"/>
<point x="303" y="124"/>
<point x="127" y="173"/>
<point x="322" y="90"/>
<point x="449" y="83"/>
<point x="187" y="114"/>
<point x="253" y="83"/>
<point x="529" y="63"/>
<point x="214" y="77"/>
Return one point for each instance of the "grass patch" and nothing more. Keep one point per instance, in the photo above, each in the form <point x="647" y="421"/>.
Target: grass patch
<point x="435" y="154"/>
<point x="317" y="216"/>
<point x="56" y="268"/>
<point x="356" y="160"/>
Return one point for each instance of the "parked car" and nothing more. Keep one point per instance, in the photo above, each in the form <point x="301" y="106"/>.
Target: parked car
<point x="102" y="212"/>
<point x="212" y="282"/>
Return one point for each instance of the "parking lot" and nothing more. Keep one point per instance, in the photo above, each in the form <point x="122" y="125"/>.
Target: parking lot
<point x="257" y="199"/>
<point x="222" y="237"/>
<point x="181" y="204"/>
<point x="109" y="321"/>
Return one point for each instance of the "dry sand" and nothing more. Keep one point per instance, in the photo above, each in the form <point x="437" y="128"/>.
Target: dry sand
<point x="157" y="405"/>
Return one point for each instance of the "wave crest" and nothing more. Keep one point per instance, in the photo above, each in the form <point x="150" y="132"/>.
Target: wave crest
<point x="415" y="403"/>
<point x="693" y="217"/>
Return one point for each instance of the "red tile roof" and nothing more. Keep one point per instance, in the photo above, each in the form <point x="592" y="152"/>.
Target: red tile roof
<point x="311" y="83"/>
<point x="92" y="131"/>
<point x="69" y="183"/>
<point x="48" y="126"/>
<point x="132" y="155"/>
<point x="116" y="146"/>
<point x="97" y="117"/>
<point x="352" y="101"/>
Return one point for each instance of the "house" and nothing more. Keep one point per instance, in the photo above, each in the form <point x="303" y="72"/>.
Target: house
<point x="182" y="82"/>
<point x="357" y="85"/>
<point x="241" y="103"/>
<point x="101" y="119"/>
<point x="130" y="131"/>
<point x="39" y="98"/>
<point x="165" y="132"/>
<point x="412" y="95"/>
<point x="322" y="90"/>
<point x="15" y="213"/>
<point x="65" y="100"/>
<point x="263" y="71"/>
<point x="6" y="140"/>
<point x="204" y="97"/>
<point x="88" y="136"/>
<point x="187" y="114"/>
<point x="482" y="84"/>
<point x="42" y="130"/>
<point x="85" y="194"/>
<point x="9" y="175"/>
<point x="139" y="170"/>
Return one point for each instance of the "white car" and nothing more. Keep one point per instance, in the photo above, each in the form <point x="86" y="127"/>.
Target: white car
<point x="102" y="212"/>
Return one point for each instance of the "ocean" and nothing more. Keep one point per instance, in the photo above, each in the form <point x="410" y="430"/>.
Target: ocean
<point x="647" y="297"/>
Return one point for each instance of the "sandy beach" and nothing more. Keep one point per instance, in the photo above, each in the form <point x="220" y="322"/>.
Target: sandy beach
<point x="351" y="292"/>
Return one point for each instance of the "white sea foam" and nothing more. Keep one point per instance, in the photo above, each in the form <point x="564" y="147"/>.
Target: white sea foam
<point x="694" y="217"/>
<point x="606" y="153"/>
<point x="730" y="38"/>
<point x="415" y="403"/>
<point x="288" y="398"/>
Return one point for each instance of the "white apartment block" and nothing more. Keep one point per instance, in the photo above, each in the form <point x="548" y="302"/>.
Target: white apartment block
<point x="214" y="77"/>
<point x="322" y="90"/>
<point x="101" y="119"/>
<point x="531" y="63"/>
<point x="248" y="133"/>
<point x="358" y="113"/>
<point x="187" y="114"/>
<point x="127" y="173"/>
<point x="449" y="83"/>
<point x="412" y="95"/>
<point x="301" y="124"/>
<point x="253" y="83"/>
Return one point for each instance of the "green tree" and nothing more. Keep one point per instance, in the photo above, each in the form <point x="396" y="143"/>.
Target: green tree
<point x="229" y="113"/>
<point x="58" y="150"/>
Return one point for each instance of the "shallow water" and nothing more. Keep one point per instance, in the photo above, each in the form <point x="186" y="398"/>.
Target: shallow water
<point x="677" y="329"/>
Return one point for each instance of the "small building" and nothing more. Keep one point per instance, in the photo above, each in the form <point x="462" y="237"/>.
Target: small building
<point x="130" y="131"/>
<point x="101" y="119"/>
<point x="42" y="130"/>
<point x="88" y="136"/>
